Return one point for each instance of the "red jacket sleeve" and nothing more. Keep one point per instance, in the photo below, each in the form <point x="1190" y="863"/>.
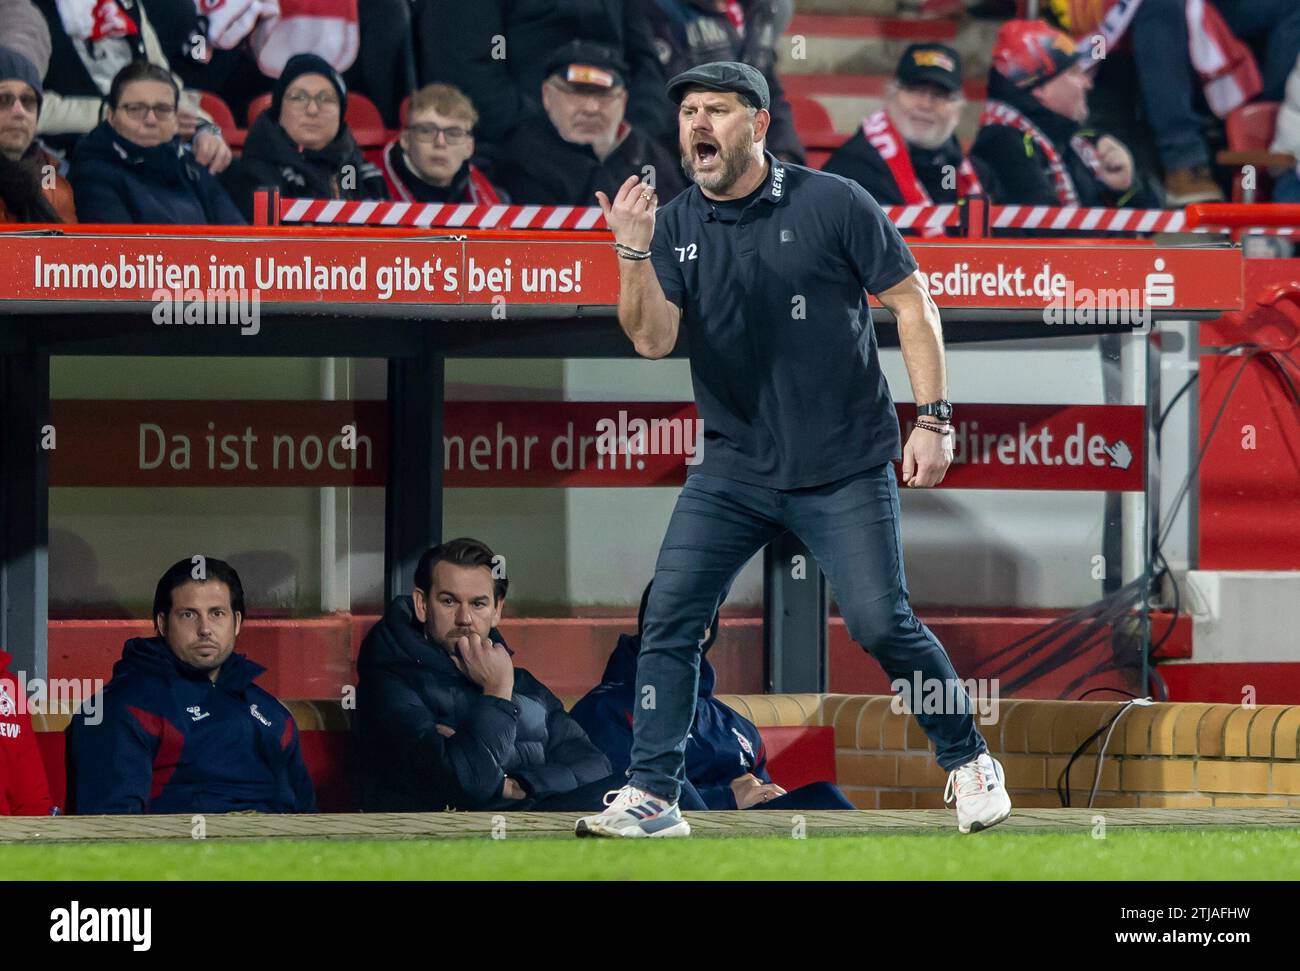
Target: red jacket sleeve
<point x="22" y="773"/>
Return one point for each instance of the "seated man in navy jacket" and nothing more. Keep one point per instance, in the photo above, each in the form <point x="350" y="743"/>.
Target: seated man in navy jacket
<point x="183" y="728"/>
<point x="726" y="763"/>
<point x="445" y="720"/>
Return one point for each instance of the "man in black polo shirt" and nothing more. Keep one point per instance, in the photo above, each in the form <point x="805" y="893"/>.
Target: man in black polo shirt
<point x="765" y="264"/>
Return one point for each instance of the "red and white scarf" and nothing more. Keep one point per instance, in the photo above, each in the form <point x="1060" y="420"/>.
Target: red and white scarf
<point x="881" y="133"/>
<point x="478" y="190"/>
<point x="95" y="20"/>
<point x="1227" y="69"/>
<point x="1001" y="113"/>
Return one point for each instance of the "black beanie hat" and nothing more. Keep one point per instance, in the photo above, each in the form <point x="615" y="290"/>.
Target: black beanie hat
<point x="296" y="67"/>
<point x="17" y="67"/>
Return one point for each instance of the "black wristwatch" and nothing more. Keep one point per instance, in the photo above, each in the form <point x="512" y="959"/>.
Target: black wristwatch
<point x="940" y="410"/>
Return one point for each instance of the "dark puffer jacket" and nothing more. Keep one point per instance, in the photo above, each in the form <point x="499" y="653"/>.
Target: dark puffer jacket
<point x="114" y="180"/>
<point x="271" y="160"/>
<point x="409" y="685"/>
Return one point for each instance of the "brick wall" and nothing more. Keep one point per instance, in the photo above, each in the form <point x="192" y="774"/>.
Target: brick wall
<point x="1179" y="755"/>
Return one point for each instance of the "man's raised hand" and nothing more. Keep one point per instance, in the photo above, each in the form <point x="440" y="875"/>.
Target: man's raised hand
<point x="487" y="664"/>
<point x="631" y="216"/>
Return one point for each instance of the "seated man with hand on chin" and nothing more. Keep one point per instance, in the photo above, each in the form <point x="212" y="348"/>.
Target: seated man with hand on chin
<point x="444" y="718"/>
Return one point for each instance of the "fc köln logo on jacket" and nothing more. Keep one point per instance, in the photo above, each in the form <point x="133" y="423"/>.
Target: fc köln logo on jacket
<point x="7" y="706"/>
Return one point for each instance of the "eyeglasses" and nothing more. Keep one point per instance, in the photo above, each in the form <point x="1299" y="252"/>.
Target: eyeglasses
<point x="586" y="90"/>
<point x="428" y="134"/>
<point x="324" y="101"/>
<point x="28" y="101"/>
<point x="137" y="110"/>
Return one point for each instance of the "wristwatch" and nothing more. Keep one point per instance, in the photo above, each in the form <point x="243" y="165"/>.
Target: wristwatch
<point x="940" y="410"/>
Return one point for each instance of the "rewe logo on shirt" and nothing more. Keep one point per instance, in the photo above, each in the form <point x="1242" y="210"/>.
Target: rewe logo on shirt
<point x="10" y="729"/>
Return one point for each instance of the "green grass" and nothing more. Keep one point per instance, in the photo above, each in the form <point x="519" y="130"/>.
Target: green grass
<point x="1122" y="855"/>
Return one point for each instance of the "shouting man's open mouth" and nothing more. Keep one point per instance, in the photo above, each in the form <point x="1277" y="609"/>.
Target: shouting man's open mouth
<point x="706" y="152"/>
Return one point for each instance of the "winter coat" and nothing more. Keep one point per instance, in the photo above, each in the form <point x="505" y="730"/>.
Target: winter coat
<point x="23" y="788"/>
<point x="115" y="180"/>
<point x="1023" y="171"/>
<point x="31" y="193"/>
<point x="409" y="685"/>
<point x="271" y="160"/>
<point x="504" y="80"/>
<point x="538" y="167"/>
<point x="168" y="739"/>
<point x="687" y="35"/>
<point x="722" y="745"/>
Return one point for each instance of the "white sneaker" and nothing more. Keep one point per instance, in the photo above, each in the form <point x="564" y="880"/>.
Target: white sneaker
<point x="634" y="812"/>
<point x="981" y="794"/>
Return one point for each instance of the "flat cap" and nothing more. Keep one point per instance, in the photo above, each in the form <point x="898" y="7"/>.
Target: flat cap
<point x="723" y="76"/>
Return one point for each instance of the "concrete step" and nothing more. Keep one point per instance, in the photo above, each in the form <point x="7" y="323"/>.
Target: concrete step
<point x="851" y="97"/>
<point x="1244" y="615"/>
<point x="878" y="8"/>
<point x="856" y="44"/>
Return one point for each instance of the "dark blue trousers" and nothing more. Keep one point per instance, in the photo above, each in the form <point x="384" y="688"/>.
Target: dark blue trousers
<point x="1169" y="83"/>
<point x="852" y="528"/>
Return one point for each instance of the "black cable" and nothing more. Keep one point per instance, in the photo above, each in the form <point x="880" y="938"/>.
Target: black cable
<point x="1064" y="793"/>
<point x="1067" y="636"/>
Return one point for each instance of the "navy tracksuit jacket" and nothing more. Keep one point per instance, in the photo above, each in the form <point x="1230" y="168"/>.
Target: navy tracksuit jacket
<point x="173" y="741"/>
<point x="722" y="745"/>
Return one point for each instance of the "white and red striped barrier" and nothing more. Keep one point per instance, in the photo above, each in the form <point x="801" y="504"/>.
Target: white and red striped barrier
<point x="450" y="215"/>
<point x="917" y="218"/>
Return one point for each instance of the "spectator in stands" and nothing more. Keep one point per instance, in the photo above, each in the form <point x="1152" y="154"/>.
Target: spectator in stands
<point x="93" y="40"/>
<point x="26" y="32"/>
<point x="302" y="145"/>
<point x="1286" y="140"/>
<point x="24" y="790"/>
<point x="1180" y="47"/>
<point x="445" y="720"/>
<point x="31" y="188"/>
<point x="496" y="51"/>
<point x="583" y="143"/>
<point x="133" y="168"/>
<point x="183" y="728"/>
<point x="1032" y="130"/>
<point x="907" y="153"/>
<point x="208" y="45"/>
<point x="430" y="161"/>
<point x="726" y="762"/>
<point x="689" y="33"/>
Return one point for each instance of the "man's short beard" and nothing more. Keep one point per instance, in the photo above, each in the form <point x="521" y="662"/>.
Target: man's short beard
<point x="736" y="160"/>
<point x="913" y="137"/>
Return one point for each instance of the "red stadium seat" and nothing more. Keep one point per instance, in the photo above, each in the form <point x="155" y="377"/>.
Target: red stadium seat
<point x="1250" y="129"/>
<point x="1251" y="126"/>
<point x="257" y="106"/>
<point x="816" y="130"/>
<point x="221" y="114"/>
<point x="366" y="122"/>
<point x="363" y="118"/>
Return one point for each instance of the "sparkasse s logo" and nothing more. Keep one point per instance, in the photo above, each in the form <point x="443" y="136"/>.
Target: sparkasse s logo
<point x="77" y="925"/>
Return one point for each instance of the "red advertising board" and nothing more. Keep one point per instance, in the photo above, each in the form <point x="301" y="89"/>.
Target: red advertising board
<point x="402" y="271"/>
<point x="535" y="444"/>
